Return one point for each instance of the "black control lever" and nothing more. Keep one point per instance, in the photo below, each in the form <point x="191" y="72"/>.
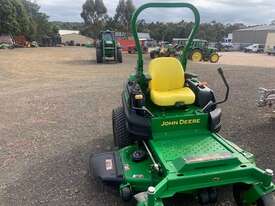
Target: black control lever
<point x="211" y="104"/>
<point x="220" y="70"/>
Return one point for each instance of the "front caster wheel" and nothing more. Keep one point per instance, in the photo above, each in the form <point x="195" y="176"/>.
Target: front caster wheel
<point x="126" y="194"/>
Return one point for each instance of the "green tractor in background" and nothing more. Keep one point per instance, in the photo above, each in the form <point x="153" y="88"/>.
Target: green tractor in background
<point x="200" y="50"/>
<point x="164" y="50"/>
<point x="166" y="134"/>
<point x="107" y="48"/>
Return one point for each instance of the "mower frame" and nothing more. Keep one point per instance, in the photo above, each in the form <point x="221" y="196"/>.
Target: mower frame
<point x="185" y="154"/>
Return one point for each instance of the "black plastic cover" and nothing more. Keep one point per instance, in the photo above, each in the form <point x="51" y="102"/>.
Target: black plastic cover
<point x="137" y="122"/>
<point x="107" y="167"/>
<point x="203" y="94"/>
<point x="215" y="120"/>
<point x="133" y="90"/>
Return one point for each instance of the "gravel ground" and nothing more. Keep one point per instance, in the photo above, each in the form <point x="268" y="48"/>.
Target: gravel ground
<point x="247" y="59"/>
<point x="56" y="108"/>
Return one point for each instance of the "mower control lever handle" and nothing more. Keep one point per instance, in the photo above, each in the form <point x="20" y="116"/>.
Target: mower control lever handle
<point x="220" y="70"/>
<point x="212" y="104"/>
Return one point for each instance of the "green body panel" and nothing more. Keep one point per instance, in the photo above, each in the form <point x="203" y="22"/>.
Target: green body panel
<point x="193" y="163"/>
<point x="191" y="158"/>
<point x="138" y="175"/>
<point x="191" y="148"/>
<point x="174" y="122"/>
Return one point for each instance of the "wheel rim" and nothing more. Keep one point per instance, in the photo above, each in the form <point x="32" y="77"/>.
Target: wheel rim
<point x="197" y="57"/>
<point x="215" y="58"/>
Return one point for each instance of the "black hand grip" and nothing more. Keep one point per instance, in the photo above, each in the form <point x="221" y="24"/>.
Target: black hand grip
<point x="220" y="70"/>
<point x="211" y="104"/>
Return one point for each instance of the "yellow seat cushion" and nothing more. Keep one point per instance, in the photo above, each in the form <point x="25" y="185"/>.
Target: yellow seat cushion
<point x="167" y="83"/>
<point x="170" y="98"/>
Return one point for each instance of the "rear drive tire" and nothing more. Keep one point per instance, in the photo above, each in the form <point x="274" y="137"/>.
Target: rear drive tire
<point x="119" y="56"/>
<point x="196" y="55"/>
<point x="120" y="132"/>
<point x="99" y="58"/>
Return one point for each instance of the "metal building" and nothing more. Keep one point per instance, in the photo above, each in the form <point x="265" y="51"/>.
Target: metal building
<point x="253" y="35"/>
<point x="270" y="42"/>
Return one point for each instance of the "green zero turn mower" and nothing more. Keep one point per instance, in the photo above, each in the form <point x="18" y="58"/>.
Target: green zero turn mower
<point x="107" y="48"/>
<point x="167" y="136"/>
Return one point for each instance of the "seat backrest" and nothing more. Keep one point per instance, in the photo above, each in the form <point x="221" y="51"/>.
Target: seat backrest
<point x="166" y="74"/>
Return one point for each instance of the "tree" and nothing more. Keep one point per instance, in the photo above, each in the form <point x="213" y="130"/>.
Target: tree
<point x="272" y="22"/>
<point x="88" y="12"/>
<point x="93" y="14"/>
<point x="14" y="18"/>
<point x="39" y="22"/>
<point x="129" y="10"/>
<point x="119" y="17"/>
<point x="100" y="9"/>
<point x="124" y="12"/>
<point x="22" y="17"/>
<point x="212" y="31"/>
<point x="109" y="23"/>
<point x="8" y="23"/>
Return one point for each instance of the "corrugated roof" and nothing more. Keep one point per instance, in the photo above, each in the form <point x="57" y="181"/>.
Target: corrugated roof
<point x="259" y="28"/>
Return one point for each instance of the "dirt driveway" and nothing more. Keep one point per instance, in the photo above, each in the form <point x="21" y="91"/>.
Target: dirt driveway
<point x="56" y="108"/>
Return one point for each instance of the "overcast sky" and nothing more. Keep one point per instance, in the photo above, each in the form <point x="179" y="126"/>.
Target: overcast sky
<point x="226" y="11"/>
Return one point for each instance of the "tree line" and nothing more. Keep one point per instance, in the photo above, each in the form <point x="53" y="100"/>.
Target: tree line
<point x="96" y="18"/>
<point x="23" y="17"/>
<point x="94" y="14"/>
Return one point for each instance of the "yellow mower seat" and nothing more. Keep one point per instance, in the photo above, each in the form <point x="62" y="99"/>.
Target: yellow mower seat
<point x="167" y="83"/>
